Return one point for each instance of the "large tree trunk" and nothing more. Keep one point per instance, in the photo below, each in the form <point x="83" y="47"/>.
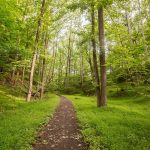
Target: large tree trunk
<point x="35" y="52"/>
<point x="103" y="100"/>
<point x="95" y="58"/>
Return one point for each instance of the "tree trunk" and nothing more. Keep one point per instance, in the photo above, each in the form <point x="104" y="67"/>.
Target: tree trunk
<point x="81" y="68"/>
<point x="142" y="25"/>
<point x="39" y="69"/>
<point x="13" y="74"/>
<point x="54" y="62"/>
<point x="23" y="73"/>
<point x="95" y="58"/>
<point x="91" y="64"/>
<point x="52" y="66"/>
<point x="129" y="26"/>
<point x="68" y="64"/>
<point x="69" y="55"/>
<point x="74" y="68"/>
<point x="66" y="74"/>
<point x="35" y="52"/>
<point x="103" y="99"/>
<point x="60" y="70"/>
<point x="44" y="69"/>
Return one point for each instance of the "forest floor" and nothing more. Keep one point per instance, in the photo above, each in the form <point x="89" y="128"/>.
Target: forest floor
<point x="123" y="125"/>
<point x="62" y="132"/>
<point x="20" y="121"/>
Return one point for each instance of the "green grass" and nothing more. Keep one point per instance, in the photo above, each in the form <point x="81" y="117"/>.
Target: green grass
<point x="20" y="121"/>
<point x="123" y="125"/>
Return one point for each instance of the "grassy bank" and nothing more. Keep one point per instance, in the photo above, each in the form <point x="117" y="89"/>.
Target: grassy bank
<point x="123" y="125"/>
<point x="20" y="121"/>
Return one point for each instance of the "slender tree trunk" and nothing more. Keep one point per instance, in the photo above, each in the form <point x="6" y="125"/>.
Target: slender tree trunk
<point x="142" y="25"/>
<point x="148" y="9"/>
<point x="44" y="69"/>
<point x="17" y="76"/>
<point x="60" y="70"/>
<point x="23" y="73"/>
<point x="129" y="27"/>
<point x="103" y="100"/>
<point x="52" y="66"/>
<point x="48" y="80"/>
<point x="15" y="70"/>
<point x="81" y="68"/>
<point x="68" y="64"/>
<point x="74" y="68"/>
<point x="91" y="64"/>
<point x="54" y="62"/>
<point x="69" y="55"/>
<point x="35" y="52"/>
<point x="66" y="74"/>
<point x="39" y="69"/>
<point x="95" y="58"/>
<point x="91" y="67"/>
<point x="13" y="74"/>
<point x="40" y="66"/>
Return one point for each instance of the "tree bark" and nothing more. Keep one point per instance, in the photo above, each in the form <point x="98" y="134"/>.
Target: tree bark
<point x="44" y="69"/>
<point x="69" y="55"/>
<point x="95" y="57"/>
<point x="142" y="25"/>
<point x="39" y="69"/>
<point x="52" y="66"/>
<point x="81" y="68"/>
<point x="103" y="98"/>
<point x="54" y="62"/>
<point x="60" y="69"/>
<point x="129" y="26"/>
<point x="35" y="52"/>
<point x="68" y="63"/>
<point x="23" y="73"/>
<point x="89" y="59"/>
<point x="13" y="74"/>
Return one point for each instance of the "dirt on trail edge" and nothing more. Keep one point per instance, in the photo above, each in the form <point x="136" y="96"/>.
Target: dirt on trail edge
<point x="62" y="132"/>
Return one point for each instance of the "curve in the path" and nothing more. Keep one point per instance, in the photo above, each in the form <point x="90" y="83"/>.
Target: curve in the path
<point x="62" y="132"/>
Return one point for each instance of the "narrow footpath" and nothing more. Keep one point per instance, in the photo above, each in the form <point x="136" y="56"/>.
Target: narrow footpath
<point x="62" y="132"/>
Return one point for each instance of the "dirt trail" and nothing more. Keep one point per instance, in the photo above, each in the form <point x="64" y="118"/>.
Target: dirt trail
<point x="62" y="132"/>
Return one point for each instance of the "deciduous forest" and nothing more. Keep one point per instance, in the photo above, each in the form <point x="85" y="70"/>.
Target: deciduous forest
<point x="74" y="75"/>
